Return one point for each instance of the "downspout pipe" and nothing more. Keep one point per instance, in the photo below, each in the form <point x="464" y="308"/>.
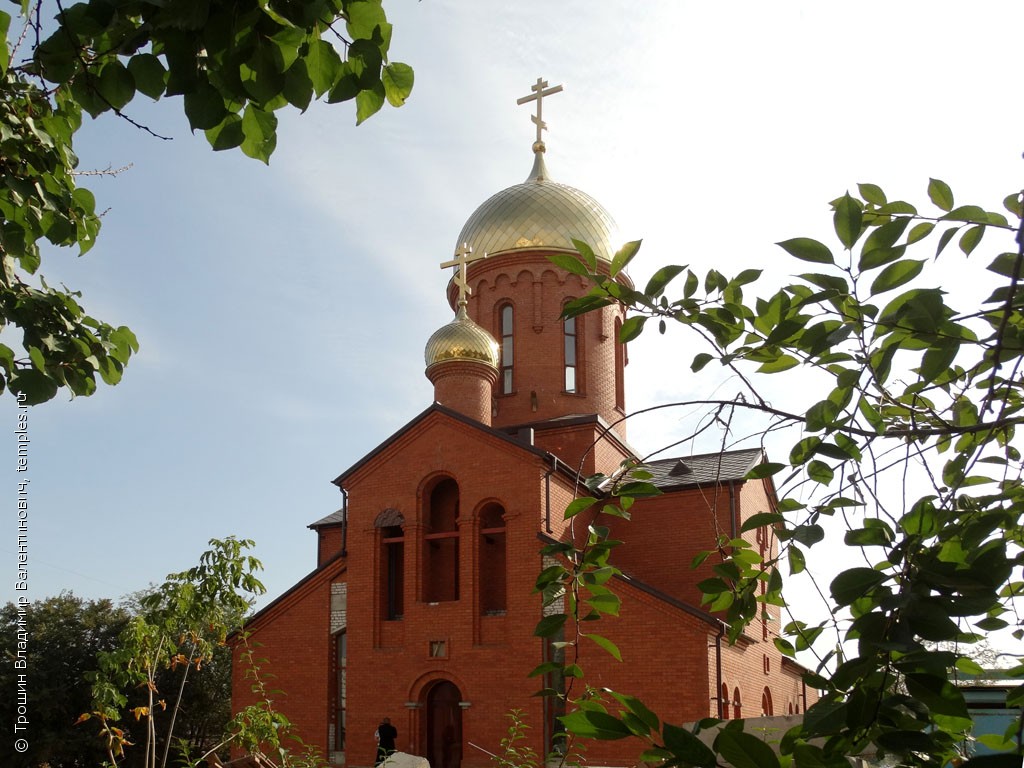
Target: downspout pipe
<point x="547" y="492"/>
<point x="733" y="522"/>
<point x="344" y="522"/>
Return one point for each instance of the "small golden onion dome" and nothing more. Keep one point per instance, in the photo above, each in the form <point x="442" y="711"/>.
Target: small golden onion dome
<point x="462" y="339"/>
<point x="540" y="213"/>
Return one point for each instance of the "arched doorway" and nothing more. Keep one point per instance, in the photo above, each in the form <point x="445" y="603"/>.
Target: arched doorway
<point x="444" y="726"/>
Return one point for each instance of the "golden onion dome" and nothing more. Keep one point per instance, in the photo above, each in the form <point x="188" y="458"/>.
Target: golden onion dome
<point x="462" y="339"/>
<point x="540" y="213"/>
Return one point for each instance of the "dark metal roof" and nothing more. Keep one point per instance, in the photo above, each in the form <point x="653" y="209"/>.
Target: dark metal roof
<point x="332" y="519"/>
<point x="704" y="469"/>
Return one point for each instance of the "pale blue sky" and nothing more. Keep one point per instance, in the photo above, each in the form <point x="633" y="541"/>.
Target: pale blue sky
<point x="283" y="311"/>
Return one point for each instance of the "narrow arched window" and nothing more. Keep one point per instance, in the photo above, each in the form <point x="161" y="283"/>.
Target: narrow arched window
<point x="441" y="543"/>
<point x="507" y="348"/>
<point x="736" y="704"/>
<point x="766" y="703"/>
<point x="571" y="354"/>
<point x="723" y="705"/>
<point x="393" y="571"/>
<point x="492" y="567"/>
<point x="341" y="660"/>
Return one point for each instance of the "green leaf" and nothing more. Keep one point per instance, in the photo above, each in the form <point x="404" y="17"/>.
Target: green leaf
<point x="660" y="279"/>
<point x="872" y="193"/>
<point x="323" y="65"/>
<point x="700" y="360"/>
<point x="970" y="239"/>
<point x="797" y="561"/>
<point x="920" y="232"/>
<point x="227" y="135"/>
<point x="115" y="84"/>
<point x="1014" y="203"/>
<point x="940" y="194"/>
<point x="854" y="583"/>
<point x="1008" y="265"/>
<point x="765" y="469"/>
<point x="36" y="386"/>
<point x="298" y="88"/>
<point x="744" y="750"/>
<point x="779" y="364"/>
<point x="895" y="275"/>
<point x="595" y="725"/>
<point x="606" y="644"/>
<point x="579" y="505"/>
<point x="149" y="74"/>
<point x="632" y="328"/>
<point x="204" y="107"/>
<point x="549" y="626"/>
<point x="968" y="213"/>
<point x="686" y="747"/>
<point x="568" y="262"/>
<point x="398" y="82"/>
<point x="624" y="256"/>
<point x="806" y="249"/>
<point x="759" y="519"/>
<point x="944" y="239"/>
<point x="847" y="220"/>
<point x="260" y="131"/>
<point x="5" y="55"/>
<point x="369" y="102"/>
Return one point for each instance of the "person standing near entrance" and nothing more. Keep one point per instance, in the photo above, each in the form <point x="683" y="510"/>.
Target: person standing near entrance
<point x="386" y="735"/>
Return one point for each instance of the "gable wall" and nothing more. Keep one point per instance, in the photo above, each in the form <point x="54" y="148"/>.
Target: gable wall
<point x="487" y="657"/>
<point x="293" y="648"/>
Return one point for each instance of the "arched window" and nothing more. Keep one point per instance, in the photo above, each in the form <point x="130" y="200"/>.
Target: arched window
<point x="723" y="705"/>
<point x="441" y="543"/>
<point x="392" y="563"/>
<point x="791" y="707"/>
<point x="620" y="368"/>
<point x="341" y="658"/>
<point x="571" y="354"/>
<point x="766" y="703"/>
<point x="507" y="315"/>
<point x="736" y="704"/>
<point x="492" y="560"/>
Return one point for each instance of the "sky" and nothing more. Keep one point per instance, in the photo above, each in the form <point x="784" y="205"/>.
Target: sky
<point x="283" y="309"/>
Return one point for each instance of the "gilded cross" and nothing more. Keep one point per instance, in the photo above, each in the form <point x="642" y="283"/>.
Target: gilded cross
<point x="540" y="90"/>
<point x="463" y="255"/>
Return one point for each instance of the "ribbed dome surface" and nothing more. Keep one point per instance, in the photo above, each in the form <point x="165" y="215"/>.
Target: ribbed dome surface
<point x="462" y="339"/>
<point x="540" y="212"/>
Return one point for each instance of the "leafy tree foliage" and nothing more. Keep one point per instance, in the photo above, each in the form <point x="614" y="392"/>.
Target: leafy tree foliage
<point x="173" y="639"/>
<point x="234" y="63"/>
<point x="901" y="360"/>
<point x="66" y="634"/>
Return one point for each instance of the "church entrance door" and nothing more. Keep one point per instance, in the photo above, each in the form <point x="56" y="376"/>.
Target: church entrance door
<point x="444" y="726"/>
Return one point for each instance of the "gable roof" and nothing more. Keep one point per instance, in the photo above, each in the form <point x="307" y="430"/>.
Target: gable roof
<point x="438" y="408"/>
<point x="704" y="468"/>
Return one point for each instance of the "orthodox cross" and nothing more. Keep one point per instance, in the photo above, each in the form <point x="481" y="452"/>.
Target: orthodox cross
<point x="540" y="90"/>
<point x="463" y="255"/>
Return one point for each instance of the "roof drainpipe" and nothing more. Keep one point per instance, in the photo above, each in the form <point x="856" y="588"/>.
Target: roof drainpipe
<point x="718" y="671"/>
<point x="344" y="522"/>
<point x="547" y="492"/>
<point x="734" y="523"/>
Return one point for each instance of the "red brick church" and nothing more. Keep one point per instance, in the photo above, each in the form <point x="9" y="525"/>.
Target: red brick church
<point x="421" y="605"/>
